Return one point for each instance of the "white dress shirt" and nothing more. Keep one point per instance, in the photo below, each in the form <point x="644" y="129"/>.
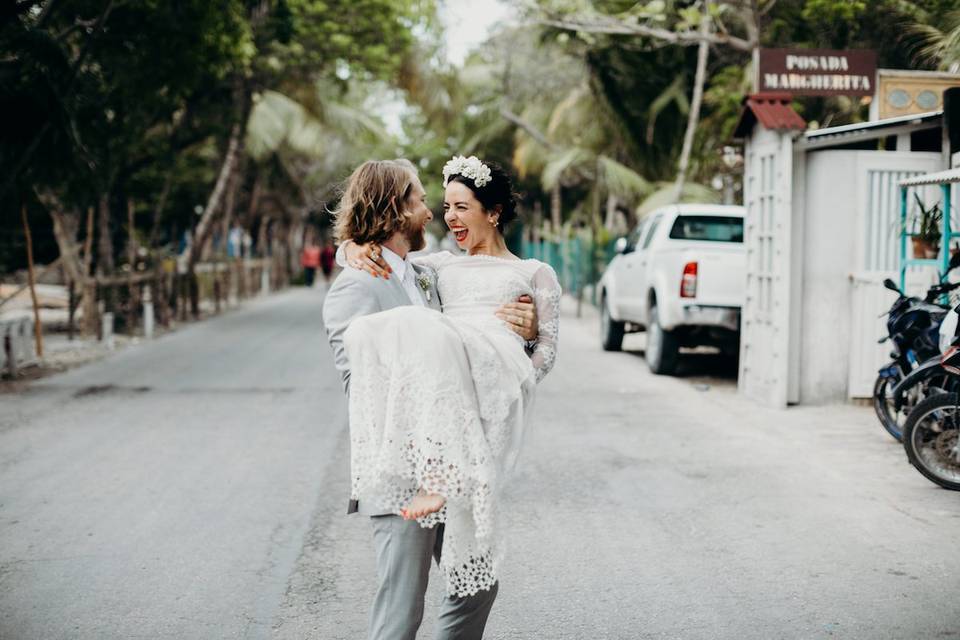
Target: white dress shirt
<point x="403" y="269"/>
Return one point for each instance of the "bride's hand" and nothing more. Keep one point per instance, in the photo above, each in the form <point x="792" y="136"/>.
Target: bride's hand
<point x="521" y="317"/>
<point x="367" y="257"/>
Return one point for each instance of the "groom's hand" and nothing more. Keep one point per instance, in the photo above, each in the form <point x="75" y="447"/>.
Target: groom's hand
<point x="521" y="316"/>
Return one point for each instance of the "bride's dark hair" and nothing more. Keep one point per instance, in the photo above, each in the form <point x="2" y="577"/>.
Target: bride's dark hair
<point x="498" y="191"/>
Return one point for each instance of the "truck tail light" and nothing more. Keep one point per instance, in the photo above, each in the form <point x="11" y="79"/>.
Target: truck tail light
<point x="688" y="284"/>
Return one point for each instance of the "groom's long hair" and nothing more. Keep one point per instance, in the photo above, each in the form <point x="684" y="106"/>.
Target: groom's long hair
<point x="373" y="207"/>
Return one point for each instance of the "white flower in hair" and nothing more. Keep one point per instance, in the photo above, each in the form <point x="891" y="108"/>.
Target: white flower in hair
<point x="467" y="167"/>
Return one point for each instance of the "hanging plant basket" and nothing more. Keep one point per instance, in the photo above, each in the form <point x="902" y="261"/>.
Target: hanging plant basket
<point x="926" y="223"/>
<point x="926" y="248"/>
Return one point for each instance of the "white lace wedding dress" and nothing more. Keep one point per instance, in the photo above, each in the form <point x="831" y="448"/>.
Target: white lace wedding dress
<point x="439" y="402"/>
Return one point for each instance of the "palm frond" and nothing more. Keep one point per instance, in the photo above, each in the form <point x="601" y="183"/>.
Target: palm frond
<point x="270" y="120"/>
<point x="563" y="162"/>
<point x="675" y="93"/>
<point x="529" y="157"/>
<point x="622" y="181"/>
<point x="485" y="134"/>
<point x="351" y="121"/>
<point x="278" y="121"/>
<point x="574" y="120"/>
<point x="936" y="46"/>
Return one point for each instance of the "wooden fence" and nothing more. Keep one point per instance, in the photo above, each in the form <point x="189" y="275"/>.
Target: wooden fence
<point x="136" y="303"/>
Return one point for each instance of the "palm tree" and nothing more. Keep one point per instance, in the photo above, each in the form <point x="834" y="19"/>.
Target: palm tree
<point x="577" y="149"/>
<point x="939" y="46"/>
<point x="301" y="148"/>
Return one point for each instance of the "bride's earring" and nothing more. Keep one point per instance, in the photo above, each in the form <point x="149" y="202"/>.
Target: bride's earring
<point x="494" y="221"/>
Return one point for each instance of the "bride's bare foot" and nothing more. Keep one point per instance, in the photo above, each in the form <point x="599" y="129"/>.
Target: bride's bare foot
<point x="423" y="504"/>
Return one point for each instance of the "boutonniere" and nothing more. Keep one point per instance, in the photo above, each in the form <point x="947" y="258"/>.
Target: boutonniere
<point x="423" y="281"/>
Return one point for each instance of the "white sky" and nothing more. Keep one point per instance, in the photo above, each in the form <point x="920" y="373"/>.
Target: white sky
<point x="467" y="24"/>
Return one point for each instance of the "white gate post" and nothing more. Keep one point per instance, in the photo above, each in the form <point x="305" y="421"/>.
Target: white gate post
<point x="147" y="312"/>
<point x="106" y="319"/>
<point x="265" y="280"/>
<point x="768" y="319"/>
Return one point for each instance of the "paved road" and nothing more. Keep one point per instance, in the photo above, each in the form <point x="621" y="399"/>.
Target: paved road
<point x="194" y="487"/>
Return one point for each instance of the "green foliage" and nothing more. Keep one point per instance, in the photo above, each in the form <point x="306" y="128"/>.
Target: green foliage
<point x="829" y="11"/>
<point x="938" y="45"/>
<point x="925" y="222"/>
<point x="138" y="103"/>
<point x="135" y="100"/>
<point x="621" y="180"/>
<point x="564" y="162"/>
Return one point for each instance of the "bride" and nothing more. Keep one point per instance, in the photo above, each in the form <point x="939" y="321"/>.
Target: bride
<point x="439" y="402"/>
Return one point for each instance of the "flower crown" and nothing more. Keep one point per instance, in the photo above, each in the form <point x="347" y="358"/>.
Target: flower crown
<point x="467" y="167"/>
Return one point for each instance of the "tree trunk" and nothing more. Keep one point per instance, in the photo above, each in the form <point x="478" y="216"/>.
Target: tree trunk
<point x="230" y="200"/>
<point x="88" y="245"/>
<point x="703" y="50"/>
<point x="752" y="23"/>
<point x="538" y="223"/>
<point x="31" y="279"/>
<point x="255" y="193"/>
<point x="65" y="233"/>
<point x="158" y="210"/>
<point x="105" y="261"/>
<point x="610" y="219"/>
<point x="88" y="293"/>
<point x="263" y="237"/>
<point x="106" y="264"/>
<point x="133" y="290"/>
<point x="556" y="211"/>
<point x="205" y="226"/>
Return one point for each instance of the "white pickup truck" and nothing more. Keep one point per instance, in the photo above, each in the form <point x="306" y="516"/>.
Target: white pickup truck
<point x="680" y="276"/>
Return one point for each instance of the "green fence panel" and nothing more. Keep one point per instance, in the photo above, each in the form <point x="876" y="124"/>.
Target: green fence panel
<point x="577" y="261"/>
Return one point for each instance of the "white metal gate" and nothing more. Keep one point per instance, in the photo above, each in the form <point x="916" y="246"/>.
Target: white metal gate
<point x="768" y="223"/>
<point x="878" y="257"/>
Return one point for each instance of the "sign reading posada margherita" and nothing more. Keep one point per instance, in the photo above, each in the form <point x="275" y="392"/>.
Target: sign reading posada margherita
<point x="818" y="72"/>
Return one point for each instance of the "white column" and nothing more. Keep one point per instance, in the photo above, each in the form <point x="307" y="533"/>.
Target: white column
<point x="147" y="312"/>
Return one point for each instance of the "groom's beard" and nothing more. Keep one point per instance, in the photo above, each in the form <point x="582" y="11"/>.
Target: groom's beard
<point x="415" y="239"/>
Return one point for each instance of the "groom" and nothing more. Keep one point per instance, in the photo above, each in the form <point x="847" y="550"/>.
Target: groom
<point x="384" y="202"/>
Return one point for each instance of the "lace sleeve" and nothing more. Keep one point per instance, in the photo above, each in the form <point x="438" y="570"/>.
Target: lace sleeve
<point x="546" y="295"/>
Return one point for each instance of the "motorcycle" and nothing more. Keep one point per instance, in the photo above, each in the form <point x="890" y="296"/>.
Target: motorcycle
<point x="915" y="371"/>
<point x="931" y="433"/>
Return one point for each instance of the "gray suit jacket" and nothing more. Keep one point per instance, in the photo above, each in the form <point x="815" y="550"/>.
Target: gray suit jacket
<point x="356" y="293"/>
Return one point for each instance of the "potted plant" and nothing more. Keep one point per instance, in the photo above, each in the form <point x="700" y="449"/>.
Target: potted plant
<point x="926" y="234"/>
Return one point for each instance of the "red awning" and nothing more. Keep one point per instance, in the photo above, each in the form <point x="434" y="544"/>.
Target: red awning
<point x="772" y="110"/>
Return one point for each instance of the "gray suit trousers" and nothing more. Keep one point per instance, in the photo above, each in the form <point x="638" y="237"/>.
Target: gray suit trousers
<point x="404" y="550"/>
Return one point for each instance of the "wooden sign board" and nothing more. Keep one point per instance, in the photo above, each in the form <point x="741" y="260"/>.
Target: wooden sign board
<point x="818" y="72"/>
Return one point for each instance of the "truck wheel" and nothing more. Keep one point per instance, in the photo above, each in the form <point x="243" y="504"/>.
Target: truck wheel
<point x="611" y="331"/>
<point x="663" y="347"/>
